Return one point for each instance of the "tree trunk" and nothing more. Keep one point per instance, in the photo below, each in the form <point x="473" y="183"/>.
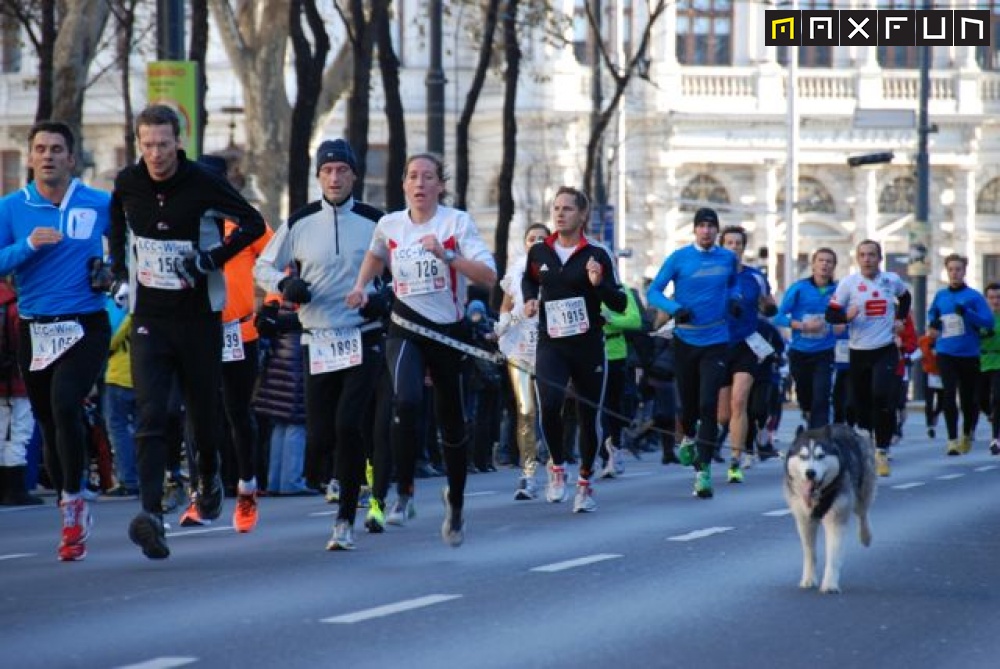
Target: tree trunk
<point x="75" y="46"/>
<point x="46" y="47"/>
<point x="126" y="33"/>
<point x="505" y="205"/>
<point x="471" y="99"/>
<point x="357" y="105"/>
<point x="395" y="118"/>
<point x="309" y="61"/>
<point x="196" y="52"/>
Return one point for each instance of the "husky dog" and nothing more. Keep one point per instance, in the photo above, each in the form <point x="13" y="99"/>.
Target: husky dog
<point x="829" y="472"/>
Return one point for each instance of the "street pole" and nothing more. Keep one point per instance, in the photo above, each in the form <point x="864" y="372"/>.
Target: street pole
<point x="920" y="263"/>
<point x="792" y="168"/>
<point x="596" y="98"/>
<point x="435" y="84"/>
<point x="170" y="29"/>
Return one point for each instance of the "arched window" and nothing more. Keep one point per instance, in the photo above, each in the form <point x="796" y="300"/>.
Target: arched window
<point x="898" y="197"/>
<point x="703" y="189"/>
<point x="813" y="197"/>
<point x="988" y="201"/>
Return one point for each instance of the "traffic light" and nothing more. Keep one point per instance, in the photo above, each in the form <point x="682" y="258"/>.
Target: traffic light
<point x="870" y="159"/>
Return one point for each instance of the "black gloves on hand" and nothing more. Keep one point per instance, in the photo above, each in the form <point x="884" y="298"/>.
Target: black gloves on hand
<point x="959" y="309"/>
<point x="735" y="308"/>
<point x="378" y="306"/>
<point x="195" y="266"/>
<point x="295" y="290"/>
<point x="683" y="315"/>
<point x="100" y="275"/>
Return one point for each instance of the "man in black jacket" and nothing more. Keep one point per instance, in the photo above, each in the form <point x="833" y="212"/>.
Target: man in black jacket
<point x="167" y="247"/>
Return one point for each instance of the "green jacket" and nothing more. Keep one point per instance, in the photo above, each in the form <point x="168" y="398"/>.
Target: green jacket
<point x="989" y="349"/>
<point x="616" y="324"/>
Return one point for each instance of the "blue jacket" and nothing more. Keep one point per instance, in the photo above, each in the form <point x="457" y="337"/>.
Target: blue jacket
<point x="942" y="316"/>
<point x="751" y="285"/>
<point x="704" y="282"/>
<point x="805" y="299"/>
<point x="54" y="280"/>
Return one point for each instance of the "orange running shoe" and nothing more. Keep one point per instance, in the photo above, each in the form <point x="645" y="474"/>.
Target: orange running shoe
<point x="245" y="515"/>
<point x="192" y="515"/>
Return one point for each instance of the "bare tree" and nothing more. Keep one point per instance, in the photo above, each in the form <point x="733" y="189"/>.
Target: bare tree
<point x="621" y="75"/>
<point x="76" y="45"/>
<point x="196" y="52"/>
<point x="395" y="118"/>
<point x="310" y="58"/>
<point x="505" y="205"/>
<point x="361" y="36"/>
<point x="38" y="20"/>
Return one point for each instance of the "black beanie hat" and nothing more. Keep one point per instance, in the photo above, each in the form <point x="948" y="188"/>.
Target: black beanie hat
<point x="706" y="215"/>
<point x="336" y="151"/>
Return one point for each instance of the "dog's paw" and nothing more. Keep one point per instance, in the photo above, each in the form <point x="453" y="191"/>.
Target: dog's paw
<point x="865" y="535"/>
<point x="807" y="582"/>
<point x="830" y="589"/>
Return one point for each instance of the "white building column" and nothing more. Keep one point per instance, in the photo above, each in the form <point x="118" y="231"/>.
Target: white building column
<point x="766" y="190"/>
<point x="866" y="205"/>
<point x="965" y="223"/>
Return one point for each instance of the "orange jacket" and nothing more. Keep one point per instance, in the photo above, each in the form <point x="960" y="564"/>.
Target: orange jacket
<point x="929" y="361"/>
<point x="239" y="284"/>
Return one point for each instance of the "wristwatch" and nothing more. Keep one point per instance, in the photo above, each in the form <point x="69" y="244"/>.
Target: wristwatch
<point x="449" y="256"/>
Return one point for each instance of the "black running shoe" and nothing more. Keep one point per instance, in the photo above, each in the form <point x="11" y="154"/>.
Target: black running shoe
<point x="210" y="499"/>
<point x="146" y="531"/>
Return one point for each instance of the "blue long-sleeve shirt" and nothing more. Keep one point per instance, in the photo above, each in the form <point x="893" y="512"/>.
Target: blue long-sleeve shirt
<point x="803" y="301"/>
<point x="704" y="281"/>
<point x="751" y="285"/>
<point x="959" y="334"/>
<point x="54" y="280"/>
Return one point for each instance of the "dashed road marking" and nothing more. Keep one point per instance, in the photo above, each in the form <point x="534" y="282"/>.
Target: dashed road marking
<point x="200" y="530"/>
<point x="17" y="556"/>
<point x="949" y="477"/>
<point x="907" y="486"/>
<point x="778" y="512"/>
<point x="161" y="663"/>
<point x="578" y="562"/>
<point x="700" y="534"/>
<point x="985" y="468"/>
<point x="483" y="493"/>
<point x="390" y="609"/>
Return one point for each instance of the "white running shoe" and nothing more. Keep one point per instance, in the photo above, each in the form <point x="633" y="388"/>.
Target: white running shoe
<point x="555" y="491"/>
<point x="583" y="502"/>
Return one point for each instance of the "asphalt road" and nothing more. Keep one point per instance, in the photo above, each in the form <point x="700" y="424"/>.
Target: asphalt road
<point x="654" y="578"/>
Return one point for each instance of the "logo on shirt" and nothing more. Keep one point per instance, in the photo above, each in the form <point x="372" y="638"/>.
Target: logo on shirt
<point x="80" y="223"/>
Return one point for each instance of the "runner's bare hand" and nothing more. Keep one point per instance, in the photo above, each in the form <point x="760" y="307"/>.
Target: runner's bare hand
<point x="595" y="272"/>
<point x="44" y="237"/>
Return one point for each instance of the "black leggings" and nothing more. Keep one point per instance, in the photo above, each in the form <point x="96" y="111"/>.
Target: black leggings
<point x="989" y="398"/>
<point x="57" y="392"/>
<point x="238" y="378"/>
<point x="613" y="400"/>
<point x="191" y="349"/>
<point x="875" y="386"/>
<point x="335" y="404"/>
<point x="700" y="372"/>
<point x="959" y="376"/>
<point x="409" y="358"/>
<point x="556" y="363"/>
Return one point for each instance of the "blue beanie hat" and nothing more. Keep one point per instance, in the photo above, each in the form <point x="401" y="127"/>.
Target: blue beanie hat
<point x="336" y="151"/>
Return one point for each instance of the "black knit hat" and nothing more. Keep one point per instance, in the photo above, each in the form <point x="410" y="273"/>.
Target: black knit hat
<point x="336" y="151"/>
<point x="706" y="215"/>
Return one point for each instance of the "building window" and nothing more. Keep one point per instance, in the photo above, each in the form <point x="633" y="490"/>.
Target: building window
<point x="988" y="57"/>
<point x="704" y="32"/>
<point x="813" y="197"/>
<point x="581" y="33"/>
<point x="991" y="269"/>
<point x="10" y="49"/>
<point x="898" y="197"/>
<point x="703" y="191"/>
<point x="899" y="57"/>
<point x="10" y="168"/>
<point x="988" y="201"/>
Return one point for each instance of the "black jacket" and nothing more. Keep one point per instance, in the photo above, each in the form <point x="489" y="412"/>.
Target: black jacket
<point x="190" y="206"/>
<point x="547" y="280"/>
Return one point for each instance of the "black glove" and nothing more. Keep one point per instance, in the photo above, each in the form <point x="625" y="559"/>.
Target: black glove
<point x="959" y="309"/>
<point x="267" y="320"/>
<point x="100" y="275"/>
<point x="194" y="267"/>
<point x="378" y="306"/>
<point x="986" y="334"/>
<point x="735" y="308"/>
<point x="770" y="310"/>
<point x="295" y="290"/>
<point x="935" y="324"/>
<point x="683" y="315"/>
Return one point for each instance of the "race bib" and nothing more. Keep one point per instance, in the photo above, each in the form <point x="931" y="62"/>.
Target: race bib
<point x="417" y="272"/>
<point x="564" y="318"/>
<point x="842" y="351"/>
<point x="49" y="341"/>
<point x="815" y="335"/>
<point x="760" y="346"/>
<point x="952" y="325"/>
<point x="157" y="262"/>
<point x="232" y="342"/>
<point x="333" y="349"/>
<point x="528" y="343"/>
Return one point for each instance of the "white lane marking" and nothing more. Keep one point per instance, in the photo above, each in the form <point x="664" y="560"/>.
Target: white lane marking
<point x="778" y="512"/>
<point x="907" y="486"/>
<point x="201" y="530"/>
<point x="161" y="663"/>
<point x="985" y="468"/>
<point x="389" y="609"/>
<point x="578" y="562"/>
<point x="635" y="474"/>
<point x="15" y="556"/>
<point x="949" y="477"/>
<point x="317" y="514"/>
<point x="700" y="534"/>
<point x="483" y="493"/>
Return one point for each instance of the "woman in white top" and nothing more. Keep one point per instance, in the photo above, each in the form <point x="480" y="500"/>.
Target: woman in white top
<point x="518" y="338"/>
<point x="431" y="250"/>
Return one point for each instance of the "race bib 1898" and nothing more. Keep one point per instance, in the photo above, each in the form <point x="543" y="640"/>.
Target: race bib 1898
<point x="334" y="349"/>
<point x="157" y="261"/>
<point x="49" y="341"/>
<point x="564" y="318"/>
